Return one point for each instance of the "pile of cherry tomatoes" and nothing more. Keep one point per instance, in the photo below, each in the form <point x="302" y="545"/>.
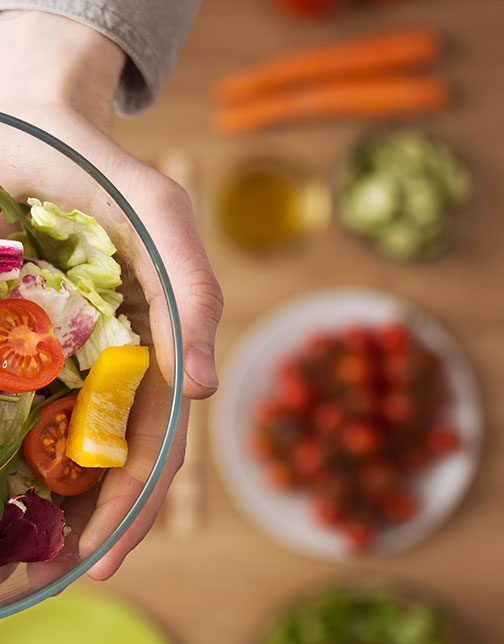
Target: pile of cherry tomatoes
<point x="351" y="420"/>
<point x="324" y="7"/>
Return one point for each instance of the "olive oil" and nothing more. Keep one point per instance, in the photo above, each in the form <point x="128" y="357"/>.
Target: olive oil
<point x="267" y="205"/>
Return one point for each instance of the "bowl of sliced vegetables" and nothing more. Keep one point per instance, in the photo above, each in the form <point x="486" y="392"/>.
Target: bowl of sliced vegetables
<point x="80" y="376"/>
<point x="403" y="192"/>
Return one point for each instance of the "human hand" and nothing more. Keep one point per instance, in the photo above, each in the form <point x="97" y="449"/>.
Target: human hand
<point x="62" y="76"/>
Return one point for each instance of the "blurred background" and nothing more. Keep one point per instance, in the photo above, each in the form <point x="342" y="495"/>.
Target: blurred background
<point x="299" y="204"/>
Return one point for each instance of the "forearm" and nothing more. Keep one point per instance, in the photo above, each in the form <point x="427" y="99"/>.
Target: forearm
<point x="150" y="32"/>
<point x="48" y="59"/>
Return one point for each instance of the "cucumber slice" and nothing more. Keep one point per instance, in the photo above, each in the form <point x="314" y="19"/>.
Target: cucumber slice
<point x="400" y="241"/>
<point x="400" y="153"/>
<point x="423" y="202"/>
<point x="452" y="175"/>
<point x="372" y="202"/>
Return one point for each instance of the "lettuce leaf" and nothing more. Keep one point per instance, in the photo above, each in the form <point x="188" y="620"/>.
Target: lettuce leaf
<point x="72" y="317"/>
<point x="106" y="301"/>
<point x="15" y="212"/>
<point x="76" y="244"/>
<point x="28" y="250"/>
<point x="52" y="275"/>
<point x="70" y="375"/>
<point x="21" y="478"/>
<point x="13" y="417"/>
<point x="113" y="299"/>
<point x="108" y="332"/>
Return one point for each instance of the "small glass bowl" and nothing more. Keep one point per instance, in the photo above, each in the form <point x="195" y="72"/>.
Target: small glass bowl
<point x="35" y="163"/>
<point x="268" y="203"/>
<point x="452" y="224"/>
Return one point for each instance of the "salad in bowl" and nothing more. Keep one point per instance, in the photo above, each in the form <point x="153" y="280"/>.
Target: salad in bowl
<point x="70" y="365"/>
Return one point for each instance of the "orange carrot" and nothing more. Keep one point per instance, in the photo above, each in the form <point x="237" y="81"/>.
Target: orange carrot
<point x="390" y="51"/>
<point x="383" y="97"/>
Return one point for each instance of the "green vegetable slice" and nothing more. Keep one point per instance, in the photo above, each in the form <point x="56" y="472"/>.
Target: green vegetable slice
<point x="13" y="416"/>
<point x="423" y="202"/>
<point x="77" y="244"/>
<point x="373" y="201"/>
<point x="14" y="213"/>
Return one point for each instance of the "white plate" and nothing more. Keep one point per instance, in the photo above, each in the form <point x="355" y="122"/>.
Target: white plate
<point x="248" y="376"/>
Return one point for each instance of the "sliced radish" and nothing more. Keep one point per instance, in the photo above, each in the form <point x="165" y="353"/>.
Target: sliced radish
<point x="11" y="259"/>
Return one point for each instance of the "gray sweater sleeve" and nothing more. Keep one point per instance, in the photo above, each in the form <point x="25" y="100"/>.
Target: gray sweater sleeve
<point x="151" y="33"/>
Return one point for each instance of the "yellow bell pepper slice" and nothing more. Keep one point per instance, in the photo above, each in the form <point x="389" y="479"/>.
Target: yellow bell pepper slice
<point x="97" y="428"/>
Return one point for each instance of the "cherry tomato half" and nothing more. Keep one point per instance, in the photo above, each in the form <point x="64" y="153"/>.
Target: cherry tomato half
<point x="312" y="7"/>
<point x="44" y="450"/>
<point x="360" y="533"/>
<point x="30" y="354"/>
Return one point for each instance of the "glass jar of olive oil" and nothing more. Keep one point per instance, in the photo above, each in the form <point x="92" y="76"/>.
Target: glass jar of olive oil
<point x="267" y="204"/>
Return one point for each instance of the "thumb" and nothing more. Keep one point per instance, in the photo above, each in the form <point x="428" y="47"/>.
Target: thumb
<point x="200" y="306"/>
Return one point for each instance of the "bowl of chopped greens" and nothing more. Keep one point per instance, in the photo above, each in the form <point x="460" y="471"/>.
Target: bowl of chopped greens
<point x="368" y="612"/>
<point x="403" y="192"/>
<point x="80" y="376"/>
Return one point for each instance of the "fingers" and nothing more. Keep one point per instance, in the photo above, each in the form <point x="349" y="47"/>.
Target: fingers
<point x="78" y="510"/>
<point x="166" y="211"/>
<point x="119" y="491"/>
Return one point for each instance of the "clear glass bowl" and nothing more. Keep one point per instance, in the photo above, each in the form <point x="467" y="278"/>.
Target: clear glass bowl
<point x="34" y="163"/>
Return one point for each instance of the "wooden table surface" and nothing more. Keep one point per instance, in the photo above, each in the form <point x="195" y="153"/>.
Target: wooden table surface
<point x="219" y="586"/>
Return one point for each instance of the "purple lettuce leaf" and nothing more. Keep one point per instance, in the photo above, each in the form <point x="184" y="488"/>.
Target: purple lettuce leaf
<point x="31" y="529"/>
<point x="11" y="259"/>
<point x="72" y="317"/>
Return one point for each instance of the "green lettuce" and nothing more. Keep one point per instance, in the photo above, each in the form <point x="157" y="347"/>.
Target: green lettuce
<point x="108" y="332"/>
<point x="21" y="478"/>
<point x="13" y="417"/>
<point x="106" y="301"/>
<point x="28" y="250"/>
<point x="15" y="213"/>
<point x="77" y="244"/>
<point x="53" y="278"/>
<point x="70" y="375"/>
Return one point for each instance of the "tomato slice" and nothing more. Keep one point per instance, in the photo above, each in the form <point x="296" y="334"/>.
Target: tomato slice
<point x="312" y="7"/>
<point x="44" y="449"/>
<point x="30" y="354"/>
